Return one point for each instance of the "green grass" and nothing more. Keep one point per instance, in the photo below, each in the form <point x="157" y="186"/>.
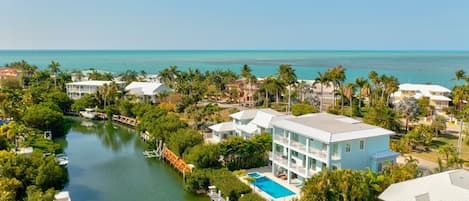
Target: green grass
<point x="441" y="140"/>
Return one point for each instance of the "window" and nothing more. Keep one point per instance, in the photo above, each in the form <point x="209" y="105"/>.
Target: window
<point x="348" y="148"/>
<point x="362" y="144"/>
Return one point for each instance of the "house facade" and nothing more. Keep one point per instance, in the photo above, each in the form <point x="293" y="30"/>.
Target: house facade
<point x="7" y="73"/>
<point x="438" y="95"/>
<point x="245" y="91"/>
<point x="146" y="91"/>
<point x="246" y="124"/>
<point x="76" y="90"/>
<point x="305" y="145"/>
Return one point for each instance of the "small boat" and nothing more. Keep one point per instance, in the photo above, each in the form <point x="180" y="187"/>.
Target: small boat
<point x="62" y="159"/>
<point x="88" y="113"/>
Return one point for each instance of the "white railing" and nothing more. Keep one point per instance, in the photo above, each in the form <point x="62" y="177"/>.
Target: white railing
<point x="278" y="158"/>
<point x="318" y="153"/>
<point x="298" y="145"/>
<point x="336" y="156"/>
<point x="281" y="139"/>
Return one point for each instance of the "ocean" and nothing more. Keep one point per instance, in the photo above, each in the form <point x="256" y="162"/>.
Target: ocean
<point x="435" y="67"/>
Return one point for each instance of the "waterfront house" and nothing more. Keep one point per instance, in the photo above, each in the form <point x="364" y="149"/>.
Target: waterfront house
<point x="76" y="90"/>
<point x="246" y="123"/>
<point x="305" y="145"/>
<point x="438" y="95"/>
<point x="451" y="185"/>
<point x="146" y="91"/>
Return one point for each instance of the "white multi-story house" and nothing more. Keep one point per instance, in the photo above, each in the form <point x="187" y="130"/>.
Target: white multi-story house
<point x="76" y="90"/>
<point x="438" y="95"/>
<point x="246" y="123"/>
<point x="304" y="145"/>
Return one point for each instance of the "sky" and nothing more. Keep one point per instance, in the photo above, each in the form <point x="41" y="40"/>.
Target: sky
<point x="238" y="24"/>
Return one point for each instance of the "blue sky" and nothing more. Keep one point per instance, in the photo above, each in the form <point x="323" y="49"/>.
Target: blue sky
<point x="240" y="24"/>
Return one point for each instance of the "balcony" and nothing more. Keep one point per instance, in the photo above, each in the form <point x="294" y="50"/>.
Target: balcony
<point x="298" y="146"/>
<point x="278" y="158"/>
<point x="298" y="169"/>
<point x="312" y="172"/>
<point x="281" y="139"/>
<point x="322" y="154"/>
<point x="335" y="156"/>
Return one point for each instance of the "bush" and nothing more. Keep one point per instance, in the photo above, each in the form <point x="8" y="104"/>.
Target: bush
<point x="44" y="118"/>
<point x="223" y="179"/>
<point x="204" y="156"/>
<point x="183" y="140"/>
<point x="303" y="108"/>
<point x="251" y="197"/>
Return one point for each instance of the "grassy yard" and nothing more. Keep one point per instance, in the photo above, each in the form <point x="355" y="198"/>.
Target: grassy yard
<point x="443" y="139"/>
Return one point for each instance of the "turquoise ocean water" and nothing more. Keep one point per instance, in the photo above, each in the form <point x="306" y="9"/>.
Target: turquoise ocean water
<point x="409" y="66"/>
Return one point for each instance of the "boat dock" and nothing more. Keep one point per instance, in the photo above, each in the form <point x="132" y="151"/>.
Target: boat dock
<point x="125" y="120"/>
<point x="176" y="161"/>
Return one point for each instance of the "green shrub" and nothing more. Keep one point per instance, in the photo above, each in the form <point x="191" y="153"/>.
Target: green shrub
<point x="303" y="108"/>
<point x="251" y="197"/>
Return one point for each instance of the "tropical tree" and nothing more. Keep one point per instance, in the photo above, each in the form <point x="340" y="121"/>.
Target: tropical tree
<point x="54" y="69"/>
<point x="438" y="124"/>
<point x="362" y="84"/>
<point x="246" y="73"/>
<point x="324" y="80"/>
<point x="409" y="109"/>
<point x="348" y="92"/>
<point x="382" y="116"/>
<point x="287" y="75"/>
<point x="169" y="75"/>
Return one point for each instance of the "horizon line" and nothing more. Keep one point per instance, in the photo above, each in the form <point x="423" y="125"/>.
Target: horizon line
<point x="274" y="49"/>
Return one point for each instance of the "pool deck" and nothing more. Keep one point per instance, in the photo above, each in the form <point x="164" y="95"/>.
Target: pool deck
<point x="267" y="171"/>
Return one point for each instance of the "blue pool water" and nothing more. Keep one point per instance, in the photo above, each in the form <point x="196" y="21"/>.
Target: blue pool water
<point x="272" y="188"/>
<point x="254" y="174"/>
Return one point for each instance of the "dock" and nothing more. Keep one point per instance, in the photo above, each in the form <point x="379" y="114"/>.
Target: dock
<point x="176" y="161"/>
<point x="125" y="120"/>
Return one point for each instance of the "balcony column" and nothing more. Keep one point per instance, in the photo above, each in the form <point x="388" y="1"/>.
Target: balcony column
<point x="328" y="156"/>
<point x="273" y="151"/>
<point x="289" y="158"/>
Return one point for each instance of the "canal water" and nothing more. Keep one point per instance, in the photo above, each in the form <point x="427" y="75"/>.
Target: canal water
<point x="106" y="164"/>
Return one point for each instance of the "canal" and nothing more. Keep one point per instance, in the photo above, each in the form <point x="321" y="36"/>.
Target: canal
<point x="106" y="164"/>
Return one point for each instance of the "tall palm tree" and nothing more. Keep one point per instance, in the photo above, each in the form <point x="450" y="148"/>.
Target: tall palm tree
<point x="349" y="91"/>
<point x="360" y="82"/>
<point x="337" y="76"/>
<point x="287" y="74"/>
<point x="460" y="75"/>
<point x="54" y="68"/>
<point x="324" y="80"/>
<point x="246" y="73"/>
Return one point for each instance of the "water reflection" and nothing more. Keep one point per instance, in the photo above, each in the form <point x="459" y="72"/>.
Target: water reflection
<point x="112" y="135"/>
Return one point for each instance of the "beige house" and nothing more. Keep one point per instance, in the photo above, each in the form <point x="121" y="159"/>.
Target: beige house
<point x="438" y="95"/>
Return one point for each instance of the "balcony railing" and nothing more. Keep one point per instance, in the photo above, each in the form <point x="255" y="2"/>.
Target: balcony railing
<point x="278" y="158"/>
<point x="318" y="153"/>
<point x="298" y="168"/>
<point x="335" y="156"/>
<point x="281" y="139"/>
<point x="298" y="145"/>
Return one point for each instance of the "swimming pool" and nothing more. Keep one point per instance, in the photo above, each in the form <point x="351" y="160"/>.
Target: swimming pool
<point x="254" y="174"/>
<point x="270" y="187"/>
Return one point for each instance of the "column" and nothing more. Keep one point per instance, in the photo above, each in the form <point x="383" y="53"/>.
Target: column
<point x="289" y="157"/>
<point x="307" y="157"/>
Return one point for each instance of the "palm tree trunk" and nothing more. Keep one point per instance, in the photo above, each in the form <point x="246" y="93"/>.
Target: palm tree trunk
<point x="406" y="125"/>
<point x="289" y="98"/>
<point x="322" y="99"/>
<point x="360" y="99"/>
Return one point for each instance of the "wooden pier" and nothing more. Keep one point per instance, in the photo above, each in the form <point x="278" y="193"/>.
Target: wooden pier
<point x="176" y="161"/>
<point x="125" y="120"/>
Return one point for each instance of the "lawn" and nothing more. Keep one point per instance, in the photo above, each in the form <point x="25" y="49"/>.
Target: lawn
<point x="443" y="139"/>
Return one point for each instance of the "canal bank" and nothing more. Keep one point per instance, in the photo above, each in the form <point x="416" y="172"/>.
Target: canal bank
<point x="106" y="163"/>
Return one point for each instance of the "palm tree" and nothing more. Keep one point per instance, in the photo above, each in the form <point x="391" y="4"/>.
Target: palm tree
<point x="349" y="91"/>
<point x="460" y="75"/>
<point x="246" y="73"/>
<point x="409" y="109"/>
<point x="361" y="83"/>
<point x="324" y="80"/>
<point x="337" y="76"/>
<point x="287" y="74"/>
<point x="54" y="68"/>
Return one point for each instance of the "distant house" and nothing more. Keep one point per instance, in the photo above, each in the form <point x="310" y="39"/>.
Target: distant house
<point x="451" y="185"/>
<point x="246" y="91"/>
<point x="7" y="73"/>
<point x="76" y="90"/>
<point x="438" y="95"/>
<point x="305" y="145"/>
<point x="246" y="124"/>
<point x="146" y="91"/>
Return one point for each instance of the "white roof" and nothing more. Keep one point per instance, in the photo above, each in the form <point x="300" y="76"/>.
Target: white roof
<point x="264" y="117"/>
<point x="245" y="114"/>
<point x="330" y="128"/>
<point x="248" y="128"/>
<point x="423" y="87"/>
<point x="451" y="185"/>
<point x="146" y="88"/>
<point x="223" y="127"/>
<point x="92" y="83"/>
